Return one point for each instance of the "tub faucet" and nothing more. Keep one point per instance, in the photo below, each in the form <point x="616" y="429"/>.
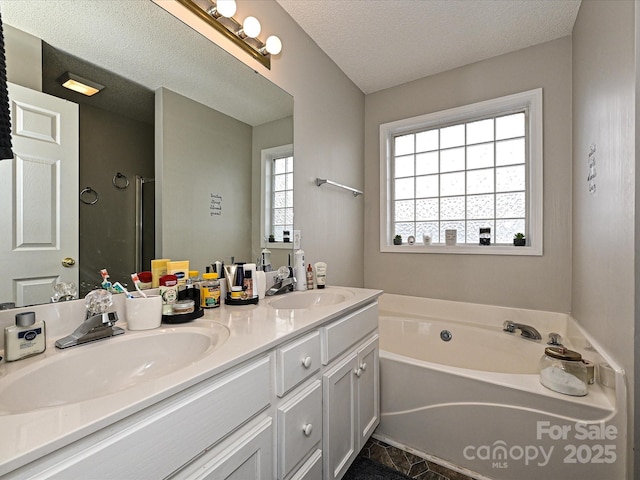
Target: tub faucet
<point x="526" y="331"/>
<point x="554" y="339"/>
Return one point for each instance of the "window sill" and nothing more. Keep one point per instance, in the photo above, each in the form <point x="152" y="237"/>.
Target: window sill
<point x="464" y="249"/>
<point x="278" y="245"/>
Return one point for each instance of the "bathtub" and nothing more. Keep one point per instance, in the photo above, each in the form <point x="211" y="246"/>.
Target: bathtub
<point x="474" y="403"/>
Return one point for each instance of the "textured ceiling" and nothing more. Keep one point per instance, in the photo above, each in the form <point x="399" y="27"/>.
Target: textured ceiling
<point x="384" y="43"/>
<point x="139" y="41"/>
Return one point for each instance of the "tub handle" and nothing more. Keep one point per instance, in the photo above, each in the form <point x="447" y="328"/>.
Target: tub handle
<point x="306" y="362"/>
<point x="307" y="429"/>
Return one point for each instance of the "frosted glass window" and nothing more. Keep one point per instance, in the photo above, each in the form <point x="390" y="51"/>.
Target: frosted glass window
<point x="405" y="166"/>
<point x="427" y="141"/>
<point x="427" y="163"/>
<point x="465" y="172"/>
<point x="427" y="186"/>
<point x="404" y="145"/>
<point x="452" y="160"/>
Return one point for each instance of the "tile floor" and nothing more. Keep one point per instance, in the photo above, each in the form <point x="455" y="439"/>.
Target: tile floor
<point x="407" y="463"/>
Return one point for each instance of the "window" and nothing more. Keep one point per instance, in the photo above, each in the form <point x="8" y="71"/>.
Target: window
<point x="472" y="167"/>
<point x="277" y="197"/>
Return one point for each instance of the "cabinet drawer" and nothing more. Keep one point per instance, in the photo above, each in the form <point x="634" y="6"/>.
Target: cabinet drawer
<point x="299" y="427"/>
<point x="296" y="362"/>
<point x="341" y="334"/>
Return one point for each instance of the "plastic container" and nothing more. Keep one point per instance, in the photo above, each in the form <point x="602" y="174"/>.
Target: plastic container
<point x="24" y="339"/>
<point x="143" y="313"/>
<point x="563" y="371"/>
<point x="183" y="306"/>
<point x="210" y="291"/>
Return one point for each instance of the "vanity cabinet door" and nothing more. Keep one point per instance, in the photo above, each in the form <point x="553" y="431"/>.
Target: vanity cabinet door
<point x="368" y="390"/>
<point x="339" y="437"/>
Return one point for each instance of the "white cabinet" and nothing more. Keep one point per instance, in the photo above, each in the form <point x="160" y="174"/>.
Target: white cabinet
<point x="351" y="389"/>
<point x="300" y="411"/>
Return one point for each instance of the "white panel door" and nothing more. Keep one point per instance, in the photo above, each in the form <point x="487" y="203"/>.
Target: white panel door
<point x="39" y="197"/>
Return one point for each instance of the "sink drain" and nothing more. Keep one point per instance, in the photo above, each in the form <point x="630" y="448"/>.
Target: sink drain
<point x="445" y="335"/>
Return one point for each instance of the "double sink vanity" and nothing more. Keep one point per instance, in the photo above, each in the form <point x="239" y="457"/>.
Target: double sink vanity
<point x="285" y="389"/>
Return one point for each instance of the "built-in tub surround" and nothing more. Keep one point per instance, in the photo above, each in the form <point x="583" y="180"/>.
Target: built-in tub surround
<point x="476" y="402"/>
<point x="235" y="335"/>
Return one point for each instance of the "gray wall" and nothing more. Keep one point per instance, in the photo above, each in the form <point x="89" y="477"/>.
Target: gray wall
<point x="604" y="84"/>
<point x="328" y="143"/>
<point x="535" y="282"/>
<point x="200" y="152"/>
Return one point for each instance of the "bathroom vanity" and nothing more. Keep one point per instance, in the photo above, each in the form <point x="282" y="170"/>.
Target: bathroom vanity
<point x="285" y="389"/>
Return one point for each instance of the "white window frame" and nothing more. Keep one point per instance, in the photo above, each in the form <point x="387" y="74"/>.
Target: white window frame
<point x="266" y="157"/>
<point x="530" y="100"/>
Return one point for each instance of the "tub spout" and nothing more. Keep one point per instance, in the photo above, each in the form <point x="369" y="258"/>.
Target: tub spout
<point x="526" y="331"/>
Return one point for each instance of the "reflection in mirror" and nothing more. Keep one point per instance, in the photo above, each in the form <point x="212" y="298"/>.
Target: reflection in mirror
<point x="199" y="150"/>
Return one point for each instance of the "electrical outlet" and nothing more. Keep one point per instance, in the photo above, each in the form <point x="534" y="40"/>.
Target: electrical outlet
<point x="296" y="239"/>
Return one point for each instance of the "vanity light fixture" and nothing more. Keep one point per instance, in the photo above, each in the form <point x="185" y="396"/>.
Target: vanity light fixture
<point x="79" y="84"/>
<point x="219" y="15"/>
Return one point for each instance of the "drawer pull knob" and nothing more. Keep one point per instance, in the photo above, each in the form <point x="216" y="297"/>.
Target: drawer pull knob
<point x="306" y="362"/>
<point x="307" y="429"/>
<point x="358" y="372"/>
<point x="363" y="366"/>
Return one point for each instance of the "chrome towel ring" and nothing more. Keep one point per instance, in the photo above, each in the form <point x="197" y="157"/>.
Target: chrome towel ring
<point x="120" y="181"/>
<point x="89" y="196"/>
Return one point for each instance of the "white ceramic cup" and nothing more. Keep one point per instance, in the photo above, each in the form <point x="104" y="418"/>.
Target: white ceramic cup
<point x="143" y="313"/>
<point x="450" y="237"/>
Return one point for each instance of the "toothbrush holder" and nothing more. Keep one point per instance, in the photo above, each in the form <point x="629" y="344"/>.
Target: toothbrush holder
<point x="143" y="313"/>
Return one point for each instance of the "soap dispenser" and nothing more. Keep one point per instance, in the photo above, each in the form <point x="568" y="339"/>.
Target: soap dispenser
<point x="24" y="339"/>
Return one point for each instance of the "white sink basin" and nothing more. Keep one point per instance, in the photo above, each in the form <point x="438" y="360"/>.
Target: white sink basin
<point x="311" y="299"/>
<point x="96" y="369"/>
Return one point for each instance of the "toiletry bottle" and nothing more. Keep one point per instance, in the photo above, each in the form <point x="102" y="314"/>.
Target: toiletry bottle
<point x="309" y="277"/>
<point x="321" y="274"/>
<point x="168" y="292"/>
<point x="248" y="284"/>
<point x="24" y="339"/>
<point x="299" y="270"/>
<point x="210" y="291"/>
<point x="180" y="269"/>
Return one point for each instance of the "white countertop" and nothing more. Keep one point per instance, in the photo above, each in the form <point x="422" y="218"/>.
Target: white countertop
<point x="253" y="329"/>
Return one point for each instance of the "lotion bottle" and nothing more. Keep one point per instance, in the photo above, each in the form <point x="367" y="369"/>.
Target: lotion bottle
<point x="321" y="274"/>
<point x="24" y="339"/>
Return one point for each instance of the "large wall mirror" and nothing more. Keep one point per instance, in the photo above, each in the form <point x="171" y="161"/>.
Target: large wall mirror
<point x="176" y="138"/>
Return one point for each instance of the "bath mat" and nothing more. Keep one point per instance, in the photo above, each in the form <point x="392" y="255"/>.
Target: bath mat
<point x="366" y="469"/>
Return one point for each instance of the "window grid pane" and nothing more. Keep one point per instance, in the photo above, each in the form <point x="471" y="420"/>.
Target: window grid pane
<point x="282" y="196"/>
<point x="473" y="176"/>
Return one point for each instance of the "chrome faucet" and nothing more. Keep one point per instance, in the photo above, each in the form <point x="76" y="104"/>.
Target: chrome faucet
<point x="284" y="283"/>
<point x="95" y="327"/>
<point x="526" y="331"/>
<point x="98" y="323"/>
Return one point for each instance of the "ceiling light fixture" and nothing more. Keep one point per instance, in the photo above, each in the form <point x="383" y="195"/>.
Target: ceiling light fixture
<point x="79" y="84"/>
<point x="220" y="14"/>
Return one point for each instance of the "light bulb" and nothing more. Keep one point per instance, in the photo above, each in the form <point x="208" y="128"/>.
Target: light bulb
<point x="226" y="8"/>
<point x="273" y="45"/>
<point x="251" y="27"/>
